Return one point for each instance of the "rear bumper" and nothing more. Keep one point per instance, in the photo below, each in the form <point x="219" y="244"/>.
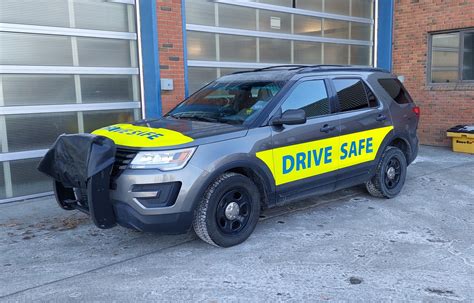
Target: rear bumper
<point x="414" y="150"/>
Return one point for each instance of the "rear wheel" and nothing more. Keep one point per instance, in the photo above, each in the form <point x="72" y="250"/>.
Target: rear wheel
<point x="390" y="174"/>
<point x="228" y="212"/>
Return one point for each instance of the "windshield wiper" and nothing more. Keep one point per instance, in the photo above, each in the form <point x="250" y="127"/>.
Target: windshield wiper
<point x="230" y="121"/>
<point x="201" y="118"/>
<point x="193" y="117"/>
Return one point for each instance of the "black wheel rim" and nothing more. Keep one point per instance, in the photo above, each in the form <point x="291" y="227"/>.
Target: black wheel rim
<point x="393" y="173"/>
<point x="238" y="206"/>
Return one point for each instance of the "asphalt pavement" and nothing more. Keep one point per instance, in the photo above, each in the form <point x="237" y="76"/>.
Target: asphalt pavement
<point x="344" y="246"/>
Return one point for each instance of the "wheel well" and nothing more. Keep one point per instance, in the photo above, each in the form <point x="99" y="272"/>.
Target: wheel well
<point x="403" y="146"/>
<point x="257" y="179"/>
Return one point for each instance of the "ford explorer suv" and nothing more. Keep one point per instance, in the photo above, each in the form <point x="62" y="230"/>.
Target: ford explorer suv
<point x="245" y="142"/>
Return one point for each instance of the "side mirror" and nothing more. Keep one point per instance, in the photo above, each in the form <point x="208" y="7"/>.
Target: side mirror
<point x="290" y="117"/>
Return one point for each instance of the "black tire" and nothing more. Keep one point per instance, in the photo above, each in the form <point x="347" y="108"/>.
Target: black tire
<point x="211" y="220"/>
<point x="390" y="174"/>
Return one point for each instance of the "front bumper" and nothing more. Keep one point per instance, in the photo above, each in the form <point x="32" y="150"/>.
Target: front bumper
<point x="152" y="200"/>
<point x="145" y="200"/>
<point x="173" y="223"/>
<point x="92" y="175"/>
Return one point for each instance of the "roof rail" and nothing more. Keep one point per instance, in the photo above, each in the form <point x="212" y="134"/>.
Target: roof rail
<point x="288" y="66"/>
<point x="299" y="68"/>
<point x="339" y="67"/>
<point x="285" y="66"/>
<point x="326" y="65"/>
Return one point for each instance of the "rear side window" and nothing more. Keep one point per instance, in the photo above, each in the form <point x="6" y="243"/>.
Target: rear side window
<point x="354" y="94"/>
<point x="310" y="96"/>
<point x="395" y="89"/>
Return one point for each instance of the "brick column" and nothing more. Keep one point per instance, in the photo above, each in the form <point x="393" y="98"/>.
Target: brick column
<point x="445" y="105"/>
<point x="170" y="40"/>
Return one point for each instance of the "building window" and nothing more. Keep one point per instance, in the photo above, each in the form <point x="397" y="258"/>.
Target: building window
<point x="452" y="57"/>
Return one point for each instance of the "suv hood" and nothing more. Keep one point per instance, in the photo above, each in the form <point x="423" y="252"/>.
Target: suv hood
<point x="168" y="132"/>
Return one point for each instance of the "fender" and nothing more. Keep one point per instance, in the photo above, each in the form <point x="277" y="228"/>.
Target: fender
<point x="245" y="161"/>
<point x="392" y="136"/>
<point x="411" y="150"/>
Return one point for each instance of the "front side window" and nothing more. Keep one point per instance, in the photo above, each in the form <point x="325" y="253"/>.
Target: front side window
<point x="310" y="96"/>
<point x="452" y="57"/>
<point x="353" y="94"/>
<point x="231" y="102"/>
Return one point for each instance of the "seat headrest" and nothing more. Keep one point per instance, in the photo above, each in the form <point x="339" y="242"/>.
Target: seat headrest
<point x="264" y="94"/>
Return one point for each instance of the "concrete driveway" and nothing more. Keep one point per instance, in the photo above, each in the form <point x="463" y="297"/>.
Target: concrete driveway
<point x="343" y="246"/>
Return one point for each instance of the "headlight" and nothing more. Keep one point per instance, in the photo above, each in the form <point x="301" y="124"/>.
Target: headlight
<point x="163" y="160"/>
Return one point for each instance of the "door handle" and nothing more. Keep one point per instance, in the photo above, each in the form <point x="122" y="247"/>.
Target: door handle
<point x="381" y="118"/>
<point x="326" y="128"/>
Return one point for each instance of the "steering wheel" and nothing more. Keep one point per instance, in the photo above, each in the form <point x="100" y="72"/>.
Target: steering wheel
<point x="228" y="101"/>
<point x="227" y="110"/>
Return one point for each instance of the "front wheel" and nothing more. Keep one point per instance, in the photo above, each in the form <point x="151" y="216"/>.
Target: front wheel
<point x="390" y="174"/>
<point x="229" y="211"/>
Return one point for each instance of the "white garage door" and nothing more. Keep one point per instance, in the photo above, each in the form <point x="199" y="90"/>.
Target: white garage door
<point x="66" y="66"/>
<point x="225" y="36"/>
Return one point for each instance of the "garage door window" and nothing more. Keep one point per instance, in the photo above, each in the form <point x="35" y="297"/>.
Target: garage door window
<point x="258" y="33"/>
<point x="66" y="66"/>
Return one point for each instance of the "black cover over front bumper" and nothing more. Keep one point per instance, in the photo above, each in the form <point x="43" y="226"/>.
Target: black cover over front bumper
<point x="81" y="165"/>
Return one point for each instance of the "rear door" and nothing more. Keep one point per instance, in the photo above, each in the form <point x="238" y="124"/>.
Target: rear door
<point x="302" y="155"/>
<point x="364" y="123"/>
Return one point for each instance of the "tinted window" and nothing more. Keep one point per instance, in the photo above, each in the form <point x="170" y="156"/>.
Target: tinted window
<point x="311" y="96"/>
<point x="395" y="89"/>
<point x="351" y="94"/>
<point x="371" y="97"/>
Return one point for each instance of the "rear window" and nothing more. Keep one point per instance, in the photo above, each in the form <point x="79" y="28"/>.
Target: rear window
<point x="354" y="94"/>
<point x="395" y="89"/>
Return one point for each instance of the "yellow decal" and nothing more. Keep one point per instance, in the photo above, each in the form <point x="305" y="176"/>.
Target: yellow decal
<point x="140" y="136"/>
<point x="304" y="160"/>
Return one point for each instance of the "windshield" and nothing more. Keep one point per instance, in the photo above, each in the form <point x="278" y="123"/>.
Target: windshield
<point x="233" y="102"/>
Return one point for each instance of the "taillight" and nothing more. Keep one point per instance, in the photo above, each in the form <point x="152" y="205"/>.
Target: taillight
<point x="417" y="111"/>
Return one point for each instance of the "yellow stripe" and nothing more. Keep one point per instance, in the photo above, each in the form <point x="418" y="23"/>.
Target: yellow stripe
<point x="140" y="136"/>
<point x="295" y="162"/>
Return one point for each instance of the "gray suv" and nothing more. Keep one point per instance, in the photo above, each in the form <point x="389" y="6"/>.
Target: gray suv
<point x="245" y="142"/>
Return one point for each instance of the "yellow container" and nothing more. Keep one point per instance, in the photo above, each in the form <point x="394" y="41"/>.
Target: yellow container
<point x="462" y="142"/>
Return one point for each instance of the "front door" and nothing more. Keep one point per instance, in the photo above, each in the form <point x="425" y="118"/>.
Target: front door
<point x="302" y="156"/>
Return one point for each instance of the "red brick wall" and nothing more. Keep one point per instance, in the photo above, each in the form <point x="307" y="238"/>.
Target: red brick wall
<point x="442" y="106"/>
<point x="170" y="40"/>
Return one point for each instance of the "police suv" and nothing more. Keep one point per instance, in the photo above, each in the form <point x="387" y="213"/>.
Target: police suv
<point x="245" y="142"/>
